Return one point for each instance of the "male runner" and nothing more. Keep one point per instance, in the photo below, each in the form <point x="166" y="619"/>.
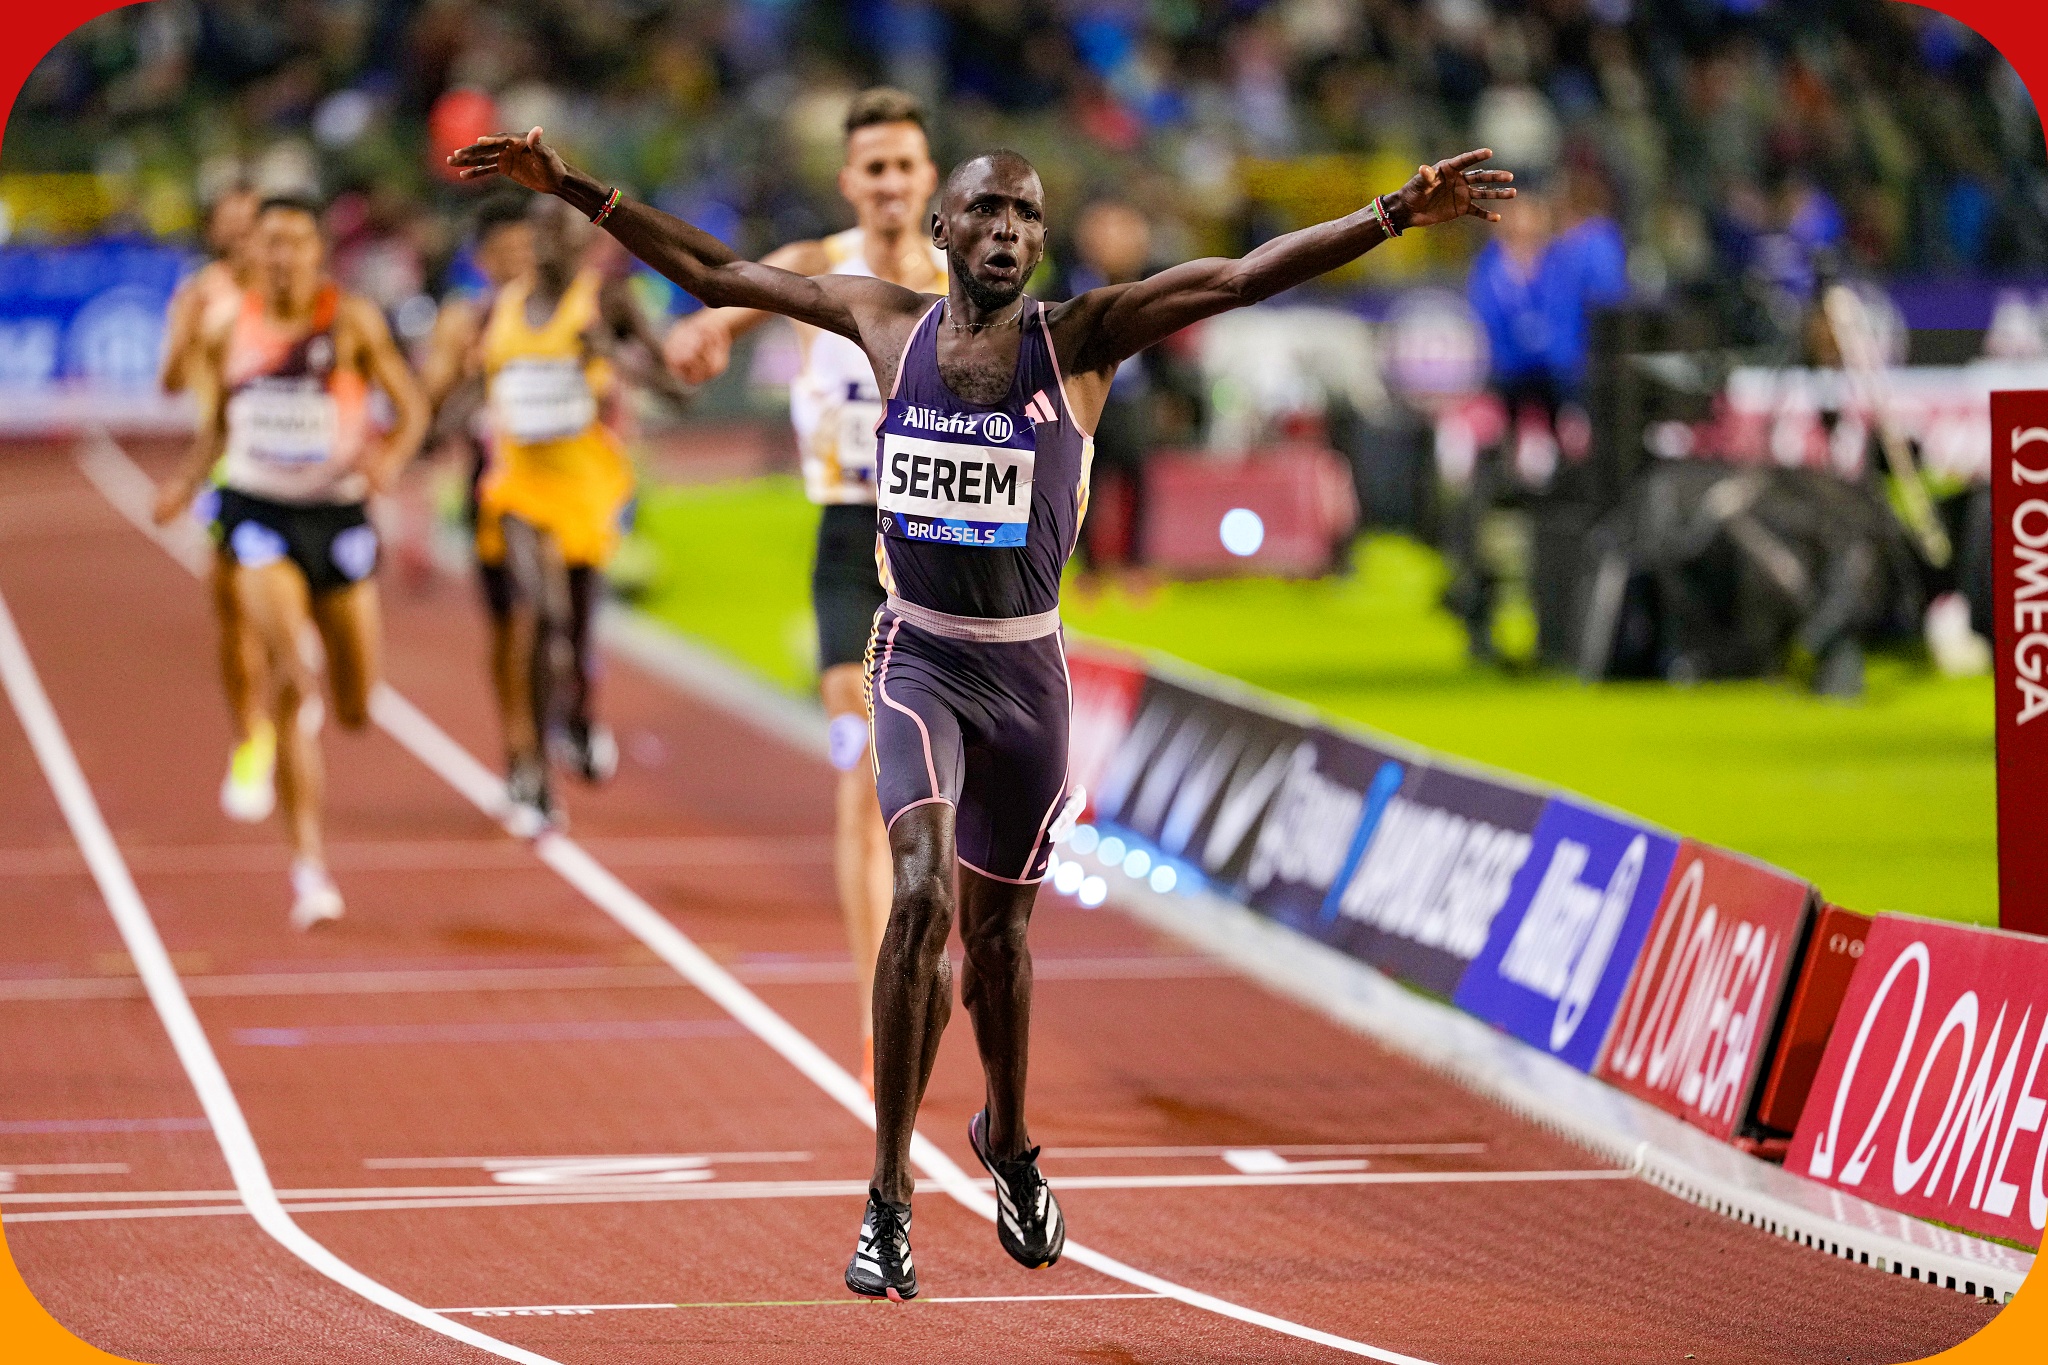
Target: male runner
<point x="549" y="504"/>
<point x="283" y="390"/>
<point x="889" y="179"/>
<point x="983" y="459"/>
<point x="204" y="302"/>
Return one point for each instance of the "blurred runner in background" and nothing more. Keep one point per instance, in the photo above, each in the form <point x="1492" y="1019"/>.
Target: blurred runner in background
<point x="205" y="302"/>
<point x="888" y="178"/>
<point x="284" y="385"/>
<point x="550" y="504"/>
<point x="1114" y="243"/>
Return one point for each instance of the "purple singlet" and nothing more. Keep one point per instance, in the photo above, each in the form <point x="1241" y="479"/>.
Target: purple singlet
<point x="979" y="506"/>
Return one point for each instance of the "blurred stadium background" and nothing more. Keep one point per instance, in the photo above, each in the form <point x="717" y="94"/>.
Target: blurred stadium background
<point x="1595" y="502"/>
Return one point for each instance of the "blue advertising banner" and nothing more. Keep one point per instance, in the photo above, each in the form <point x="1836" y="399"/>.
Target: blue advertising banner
<point x="1329" y="801"/>
<point x="1420" y="901"/>
<point x="1563" y="946"/>
<point x="90" y="314"/>
<point x="1195" y="777"/>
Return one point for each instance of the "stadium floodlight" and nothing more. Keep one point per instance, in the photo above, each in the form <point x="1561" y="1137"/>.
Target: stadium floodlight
<point x="1164" y="878"/>
<point x="1094" y="892"/>
<point x="1084" y="839"/>
<point x="1068" y="876"/>
<point x="1111" y="852"/>
<point x="1137" y="863"/>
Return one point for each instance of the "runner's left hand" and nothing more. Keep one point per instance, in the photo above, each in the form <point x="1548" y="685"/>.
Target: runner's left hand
<point x="1450" y="189"/>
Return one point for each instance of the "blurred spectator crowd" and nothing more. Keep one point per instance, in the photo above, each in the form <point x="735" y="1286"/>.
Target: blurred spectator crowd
<point x="1728" y="139"/>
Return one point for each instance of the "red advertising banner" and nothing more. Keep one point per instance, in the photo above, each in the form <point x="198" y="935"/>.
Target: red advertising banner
<point x="1832" y="951"/>
<point x="1104" y="687"/>
<point x="1930" y="1096"/>
<point x="1691" y="1031"/>
<point x="2019" y="596"/>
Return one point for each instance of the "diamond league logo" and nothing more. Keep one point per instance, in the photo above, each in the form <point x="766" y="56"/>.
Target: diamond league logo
<point x="997" y="427"/>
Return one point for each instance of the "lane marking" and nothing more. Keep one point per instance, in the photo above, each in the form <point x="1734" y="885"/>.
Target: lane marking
<point x="490" y="1031"/>
<point x="1283" y="1149"/>
<point x="138" y="932"/>
<point x="585" y="1309"/>
<point x="429" y="855"/>
<point x="412" y="1199"/>
<point x="131" y="491"/>
<point x="11" y="1127"/>
<point x="495" y="1163"/>
<point x="431" y="979"/>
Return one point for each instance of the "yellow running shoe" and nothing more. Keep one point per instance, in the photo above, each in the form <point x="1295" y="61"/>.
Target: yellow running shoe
<point x="249" y="792"/>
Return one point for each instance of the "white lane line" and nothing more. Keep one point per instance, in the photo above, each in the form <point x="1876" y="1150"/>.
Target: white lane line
<point x="131" y="491"/>
<point x="138" y="932"/>
<point x="757" y="1189"/>
<point x="457" y="979"/>
<point x="1284" y="1149"/>
<point x="585" y="1309"/>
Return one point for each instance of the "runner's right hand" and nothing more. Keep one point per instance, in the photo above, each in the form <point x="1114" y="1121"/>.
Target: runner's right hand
<point x="523" y="160"/>
<point x="696" y="351"/>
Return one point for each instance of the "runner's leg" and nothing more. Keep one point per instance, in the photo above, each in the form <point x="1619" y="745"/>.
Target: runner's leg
<point x="274" y="601"/>
<point x="541" y="597"/>
<point x="351" y="627"/>
<point x="913" y="996"/>
<point x="860" y="846"/>
<point x="241" y="652"/>
<point x="995" y="986"/>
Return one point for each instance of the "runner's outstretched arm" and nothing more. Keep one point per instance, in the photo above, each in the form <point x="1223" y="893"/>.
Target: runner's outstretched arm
<point x="699" y="347"/>
<point x="1109" y="324"/>
<point x="692" y="257"/>
<point x="202" y="374"/>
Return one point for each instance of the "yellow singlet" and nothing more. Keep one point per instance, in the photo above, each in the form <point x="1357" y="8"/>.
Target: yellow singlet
<point x="554" y="464"/>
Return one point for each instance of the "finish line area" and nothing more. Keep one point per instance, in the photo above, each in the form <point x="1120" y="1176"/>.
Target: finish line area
<point x="597" y="1091"/>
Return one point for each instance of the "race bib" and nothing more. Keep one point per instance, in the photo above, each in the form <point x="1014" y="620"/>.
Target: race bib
<point x="856" y="431"/>
<point x="542" y="400"/>
<point x="290" y="423"/>
<point x="955" y="478"/>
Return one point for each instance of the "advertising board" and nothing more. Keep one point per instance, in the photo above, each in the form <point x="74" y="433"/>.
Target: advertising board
<point x="1329" y="800"/>
<point x="1561" y="949"/>
<point x="1106" y="687"/>
<point x="1931" y="1095"/>
<point x="2019" y="611"/>
<point x="1195" y="776"/>
<point x="1832" y="951"/>
<point x="1434" y="871"/>
<point x="1700" y="1008"/>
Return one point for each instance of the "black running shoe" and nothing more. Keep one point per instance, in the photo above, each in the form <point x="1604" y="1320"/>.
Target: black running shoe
<point x="1028" y="1223"/>
<point x="881" y="1268"/>
<point x="587" y="749"/>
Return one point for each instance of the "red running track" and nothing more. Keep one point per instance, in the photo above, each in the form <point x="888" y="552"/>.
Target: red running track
<point x="448" y="1086"/>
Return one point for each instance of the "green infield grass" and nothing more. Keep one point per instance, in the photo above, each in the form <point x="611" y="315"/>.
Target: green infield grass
<point x="1885" y="803"/>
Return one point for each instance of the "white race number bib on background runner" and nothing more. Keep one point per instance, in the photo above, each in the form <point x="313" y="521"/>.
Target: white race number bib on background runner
<point x="855" y="428"/>
<point x="955" y="478"/>
<point x="283" y="422"/>
<point x="535" y="400"/>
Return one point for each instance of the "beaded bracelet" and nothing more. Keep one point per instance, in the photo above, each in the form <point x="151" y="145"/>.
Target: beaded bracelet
<point x="1379" y="207"/>
<point x="611" y="201"/>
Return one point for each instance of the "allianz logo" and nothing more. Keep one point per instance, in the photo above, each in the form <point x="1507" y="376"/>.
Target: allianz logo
<point x="996" y="426"/>
<point x="1561" y="947"/>
<point x="1434" y="877"/>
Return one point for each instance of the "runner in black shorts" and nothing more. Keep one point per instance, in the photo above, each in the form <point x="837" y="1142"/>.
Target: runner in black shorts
<point x="982" y="470"/>
<point x="834" y="404"/>
<point x="284" y="384"/>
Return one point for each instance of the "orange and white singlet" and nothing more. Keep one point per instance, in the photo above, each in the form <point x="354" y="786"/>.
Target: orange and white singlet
<point x="296" y="421"/>
<point x="833" y="402"/>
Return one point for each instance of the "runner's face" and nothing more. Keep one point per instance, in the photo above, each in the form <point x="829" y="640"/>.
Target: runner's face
<point x="229" y="225"/>
<point x="889" y="176"/>
<point x="507" y="253"/>
<point x="992" y="229"/>
<point x="289" y="255"/>
<point x="559" y="235"/>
